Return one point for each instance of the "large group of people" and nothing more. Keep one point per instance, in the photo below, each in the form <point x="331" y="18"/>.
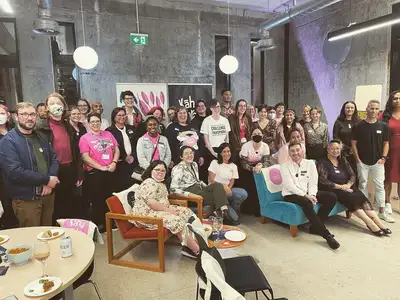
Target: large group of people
<point x="64" y="162"/>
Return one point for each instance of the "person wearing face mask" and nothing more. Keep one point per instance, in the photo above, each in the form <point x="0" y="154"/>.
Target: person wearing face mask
<point x="241" y="126"/>
<point x="65" y="144"/>
<point x="97" y="108"/>
<point x="267" y="125"/>
<point x="336" y="175"/>
<point x="252" y="155"/>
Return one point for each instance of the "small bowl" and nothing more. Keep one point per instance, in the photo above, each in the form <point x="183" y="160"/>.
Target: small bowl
<point x="20" y="258"/>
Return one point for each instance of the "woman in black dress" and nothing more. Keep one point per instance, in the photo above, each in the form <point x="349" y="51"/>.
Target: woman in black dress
<point x="335" y="175"/>
<point x="342" y="130"/>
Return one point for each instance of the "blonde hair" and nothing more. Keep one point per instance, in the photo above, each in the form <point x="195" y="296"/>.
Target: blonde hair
<point x="22" y="105"/>
<point x="61" y="98"/>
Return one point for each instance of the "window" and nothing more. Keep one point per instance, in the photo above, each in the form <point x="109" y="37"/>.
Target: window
<point x="10" y="78"/>
<point x="221" y="49"/>
<point x="257" y="74"/>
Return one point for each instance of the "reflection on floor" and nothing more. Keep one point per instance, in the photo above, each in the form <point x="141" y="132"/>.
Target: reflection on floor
<point x="302" y="268"/>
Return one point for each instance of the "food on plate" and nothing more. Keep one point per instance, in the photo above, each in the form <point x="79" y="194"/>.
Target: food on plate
<point x="47" y="284"/>
<point x="206" y="229"/>
<point x="47" y="234"/>
<point x="17" y="250"/>
<point x="1" y="239"/>
<point x="55" y="233"/>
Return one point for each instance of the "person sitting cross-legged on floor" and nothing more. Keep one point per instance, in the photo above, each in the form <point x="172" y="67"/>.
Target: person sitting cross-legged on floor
<point x="151" y="200"/>
<point x="300" y="186"/>
<point x="336" y="175"/>
<point x="185" y="181"/>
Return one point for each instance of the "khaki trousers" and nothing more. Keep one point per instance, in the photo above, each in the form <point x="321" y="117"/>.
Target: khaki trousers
<point x="34" y="212"/>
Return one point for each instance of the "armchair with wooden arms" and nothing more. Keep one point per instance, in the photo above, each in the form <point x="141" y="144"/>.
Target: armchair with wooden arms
<point x="202" y="211"/>
<point x="136" y="235"/>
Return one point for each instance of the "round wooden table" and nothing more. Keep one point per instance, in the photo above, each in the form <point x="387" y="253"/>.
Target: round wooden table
<point x="67" y="269"/>
<point x="223" y="244"/>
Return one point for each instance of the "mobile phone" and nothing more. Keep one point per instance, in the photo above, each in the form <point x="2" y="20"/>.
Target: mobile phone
<point x="39" y="190"/>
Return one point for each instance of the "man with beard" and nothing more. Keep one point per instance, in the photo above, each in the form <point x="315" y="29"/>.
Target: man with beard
<point x="29" y="167"/>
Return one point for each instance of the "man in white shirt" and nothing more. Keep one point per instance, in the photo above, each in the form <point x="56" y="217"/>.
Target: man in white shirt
<point x="300" y="186"/>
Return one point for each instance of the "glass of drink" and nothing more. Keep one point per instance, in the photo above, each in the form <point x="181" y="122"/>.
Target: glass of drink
<point x="217" y="226"/>
<point x="41" y="251"/>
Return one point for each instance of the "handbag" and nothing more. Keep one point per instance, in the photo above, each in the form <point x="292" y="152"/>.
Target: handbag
<point x="138" y="171"/>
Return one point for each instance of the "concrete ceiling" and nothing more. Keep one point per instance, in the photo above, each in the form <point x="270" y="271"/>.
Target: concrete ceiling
<point x="263" y="5"/>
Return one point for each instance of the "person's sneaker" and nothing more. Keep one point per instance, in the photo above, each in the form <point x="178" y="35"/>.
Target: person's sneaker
<point x="388" y="208"/>
<point x="228" y="219"/>
<point x="385" y="217"/>
<point x="334" y="244"/>
<point x="188" y="252"/>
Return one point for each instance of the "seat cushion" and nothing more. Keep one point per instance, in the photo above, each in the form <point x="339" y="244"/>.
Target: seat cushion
<point x="116" y="207"/>
<point x="253" y="280"/>
<point x="137" y="233"/>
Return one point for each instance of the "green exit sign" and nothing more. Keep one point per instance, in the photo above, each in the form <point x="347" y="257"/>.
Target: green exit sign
<point x="139" y="39"/>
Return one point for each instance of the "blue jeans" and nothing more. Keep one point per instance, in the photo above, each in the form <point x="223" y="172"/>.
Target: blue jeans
<point x="238" y="196"/>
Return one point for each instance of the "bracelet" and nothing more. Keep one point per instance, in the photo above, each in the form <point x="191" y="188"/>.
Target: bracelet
<point x="384" y="158"/>
<point x="114" y="161"/>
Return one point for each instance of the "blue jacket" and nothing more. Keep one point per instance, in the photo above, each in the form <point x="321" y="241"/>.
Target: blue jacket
<point x="19" y="167"/>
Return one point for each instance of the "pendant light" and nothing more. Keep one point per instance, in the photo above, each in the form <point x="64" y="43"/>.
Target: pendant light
<point x="85" y="57"/>
<point x="228" y="64"/>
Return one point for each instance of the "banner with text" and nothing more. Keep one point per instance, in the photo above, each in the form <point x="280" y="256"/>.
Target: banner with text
<point x="186" y="94"/>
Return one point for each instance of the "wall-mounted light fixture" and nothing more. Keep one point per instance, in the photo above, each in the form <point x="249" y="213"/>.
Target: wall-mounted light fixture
<point x="6" y="7"/>
<point x="352" y="30"/>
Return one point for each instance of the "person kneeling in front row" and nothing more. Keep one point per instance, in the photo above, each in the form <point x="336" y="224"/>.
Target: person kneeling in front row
<point x="300" y="186"/>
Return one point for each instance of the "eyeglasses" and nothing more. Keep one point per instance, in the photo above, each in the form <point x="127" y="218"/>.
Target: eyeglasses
<point x="26" y="115"/>
<point x="94" y="122"/>
<point x="160" y="171"/>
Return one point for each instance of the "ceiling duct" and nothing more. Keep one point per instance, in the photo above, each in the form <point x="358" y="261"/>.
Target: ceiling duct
<point x="266" y="42"/>
<point x="44" y="24"/>
<point x="301" y="9"/>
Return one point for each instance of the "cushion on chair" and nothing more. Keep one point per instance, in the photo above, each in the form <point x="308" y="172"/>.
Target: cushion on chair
<point x="116" y="207"/>
<point x="137" y="233"/>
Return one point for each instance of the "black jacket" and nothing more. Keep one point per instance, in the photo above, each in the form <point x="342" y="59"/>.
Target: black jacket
<point x="43" y="127"/>
<point x="130" y="131"/>
<point x="19" y="166"/>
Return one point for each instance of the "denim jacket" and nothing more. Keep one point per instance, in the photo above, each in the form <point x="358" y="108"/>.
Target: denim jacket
<point x="145" y="149"/>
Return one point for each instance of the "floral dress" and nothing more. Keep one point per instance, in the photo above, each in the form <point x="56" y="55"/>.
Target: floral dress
<point x="153" y="190"/>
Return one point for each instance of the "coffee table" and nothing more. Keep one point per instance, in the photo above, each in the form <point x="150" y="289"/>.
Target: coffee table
<point x="224" y="244"/>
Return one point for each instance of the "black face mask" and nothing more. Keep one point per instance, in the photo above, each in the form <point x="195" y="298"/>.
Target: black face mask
<point x="257" y="138"/>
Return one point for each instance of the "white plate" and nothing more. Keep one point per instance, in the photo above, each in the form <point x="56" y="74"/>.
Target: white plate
<point x="4" y="237"/>
<point x="235" y="236"/>
<point x="60" y="233"/>
<point x="35" y="288"/>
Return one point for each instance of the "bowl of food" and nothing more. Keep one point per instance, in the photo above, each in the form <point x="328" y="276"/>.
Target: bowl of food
<point x="20" y="255"/>
<point x="207" y="229"/>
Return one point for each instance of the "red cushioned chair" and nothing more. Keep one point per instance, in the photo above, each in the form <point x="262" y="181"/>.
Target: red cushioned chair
<point x="137" y="235"/>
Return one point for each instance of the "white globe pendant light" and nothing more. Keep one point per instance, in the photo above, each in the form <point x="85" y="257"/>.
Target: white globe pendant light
<point x="228" y="64"/>
<point x="85" y="57"/>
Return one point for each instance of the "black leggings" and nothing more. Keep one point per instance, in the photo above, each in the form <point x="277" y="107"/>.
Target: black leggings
<point x="327" y="201"/>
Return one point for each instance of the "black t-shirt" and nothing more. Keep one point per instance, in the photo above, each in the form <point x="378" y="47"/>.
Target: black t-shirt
<point x="370" y="139"/>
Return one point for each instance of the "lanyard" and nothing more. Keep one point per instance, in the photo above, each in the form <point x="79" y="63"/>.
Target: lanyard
<point x="101" y="141"/>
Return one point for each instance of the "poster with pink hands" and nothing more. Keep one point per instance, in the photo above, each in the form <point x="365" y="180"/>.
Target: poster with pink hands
<point x="146" y="95"/>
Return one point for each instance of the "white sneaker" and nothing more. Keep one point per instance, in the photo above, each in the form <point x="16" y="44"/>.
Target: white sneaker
<point x="385" y="217"/>
<point x="388" y="208"/>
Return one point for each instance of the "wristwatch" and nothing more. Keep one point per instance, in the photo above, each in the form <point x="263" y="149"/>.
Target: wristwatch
<point x="384" y="158"/>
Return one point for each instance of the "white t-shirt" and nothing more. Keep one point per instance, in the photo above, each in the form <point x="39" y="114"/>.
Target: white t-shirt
<point x="223" y="172"/>
<point x="216" y="130"/>
<point x="251" y="154"/>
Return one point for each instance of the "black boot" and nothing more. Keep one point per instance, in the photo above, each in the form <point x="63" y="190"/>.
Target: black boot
<point x="334" y="244"/>
<point x="228" y="219"/>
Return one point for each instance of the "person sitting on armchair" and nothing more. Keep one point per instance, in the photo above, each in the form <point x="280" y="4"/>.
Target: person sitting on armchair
<point x="300" y="186"/>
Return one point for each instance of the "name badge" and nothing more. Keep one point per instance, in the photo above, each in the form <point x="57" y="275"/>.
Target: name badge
<point x="243" y="140"/>
<point x="350" y="126"/>
<point x="310" y="131"/>
<point x="337" y="171"/>
<point x="379" y="131"/>
<point x="130" y="131"/>
<point x="105" y="156"/>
